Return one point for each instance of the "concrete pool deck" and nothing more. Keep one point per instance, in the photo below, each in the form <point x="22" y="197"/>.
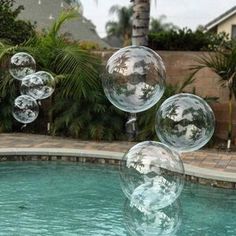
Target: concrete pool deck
<point x="207" y="164"/>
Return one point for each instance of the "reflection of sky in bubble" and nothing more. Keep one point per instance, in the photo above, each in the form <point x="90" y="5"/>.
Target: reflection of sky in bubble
<point x="154" y="194"/>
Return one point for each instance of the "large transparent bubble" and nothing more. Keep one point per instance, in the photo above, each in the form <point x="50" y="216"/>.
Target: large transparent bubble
<point x="21" y="64"/>
<point x="39" y="85"/>
<point x="185" y="122"/>
<point x="134" y="79"/>
<point x="165" y="221"/>
<point x="25" y="109"/>
<point x="152" y="175"/>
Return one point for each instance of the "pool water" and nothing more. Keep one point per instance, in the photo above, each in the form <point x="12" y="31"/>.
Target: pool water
<point x="60" y="198"/>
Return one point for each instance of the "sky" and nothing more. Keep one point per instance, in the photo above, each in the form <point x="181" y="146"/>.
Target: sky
<point x="183" y="13"/>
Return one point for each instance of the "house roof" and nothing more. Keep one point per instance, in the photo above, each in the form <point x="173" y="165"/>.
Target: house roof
<point x="221" y="18"/>
<point x="115" y="42"/>
<point x="44" y="12"/>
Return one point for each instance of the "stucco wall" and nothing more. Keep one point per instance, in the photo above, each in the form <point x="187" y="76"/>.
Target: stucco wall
<point x="226" y="26"/>
<point x="206" y="83"/>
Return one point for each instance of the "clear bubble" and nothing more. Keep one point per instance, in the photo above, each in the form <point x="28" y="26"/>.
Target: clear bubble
<point x="21" y="64"/>
<point x="134" y="79"/>
<point x="25" y="109"/>
<point x="152" y="175"/>
<point x="185" y="122"/>
<point x="48" y="83"/>
<point x="165" y="221"/>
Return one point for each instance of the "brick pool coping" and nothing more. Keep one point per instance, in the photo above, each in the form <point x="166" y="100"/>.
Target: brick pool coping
<point x="193" y="173"/>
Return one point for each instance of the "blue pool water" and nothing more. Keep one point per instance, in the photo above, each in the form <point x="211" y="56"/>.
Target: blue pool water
<point x="56" y="198"/>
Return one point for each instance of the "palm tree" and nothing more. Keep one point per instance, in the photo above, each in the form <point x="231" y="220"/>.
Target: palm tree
<point x="137" y="29"/>
<point x="223" y="63"/>
<point x="141" y="18"/>
<point x="158" y="25"/>
<point x="123" y="27"/>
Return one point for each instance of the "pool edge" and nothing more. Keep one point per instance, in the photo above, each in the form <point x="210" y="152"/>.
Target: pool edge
<point x="193" y="173"/>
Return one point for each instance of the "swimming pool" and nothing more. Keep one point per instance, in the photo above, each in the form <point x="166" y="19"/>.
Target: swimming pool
<point x="63" y="198"/>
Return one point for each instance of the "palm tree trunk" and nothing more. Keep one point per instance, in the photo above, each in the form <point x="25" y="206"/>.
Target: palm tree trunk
<point x="141" y="17"/>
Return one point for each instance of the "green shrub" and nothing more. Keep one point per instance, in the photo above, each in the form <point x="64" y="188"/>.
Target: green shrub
<point x="13" y="30"/>
<point x="186" y="40"/>
<point x="88" y="45"/>
<point x="90" y="117"/>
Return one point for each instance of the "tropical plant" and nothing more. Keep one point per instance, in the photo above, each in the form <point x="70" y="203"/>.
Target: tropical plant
<point x="92" y="117"/>
<point x="13" y="30"/>
<point x="7" y="92"/>
<point x="79" y="107"/>
<point x="8" y="89"/>
<point x="158" y="25"/>
<point x="123" y="27"/>
<point x="223" y="63"/>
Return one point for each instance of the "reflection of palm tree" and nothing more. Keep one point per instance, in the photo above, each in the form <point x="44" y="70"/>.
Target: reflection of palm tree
<point x="117" y="76"/>
<point x="173" y="110"/>
<point x="147" y="92"/>
<point x="178" y="121"/>
<point x="121" y="63"/>
<point x="139" y="157"/>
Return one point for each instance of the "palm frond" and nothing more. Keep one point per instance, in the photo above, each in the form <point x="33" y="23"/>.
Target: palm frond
<point x="6" y="50"/>
<point x="112" y="28"/>
<point x="188" y="81"/>
<point x="211" y="100"/>
<point x="222" y="63"/>
<point x="80" y="69"/>
<point x="63" y="17"/>
<point x="114" y="9"/>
